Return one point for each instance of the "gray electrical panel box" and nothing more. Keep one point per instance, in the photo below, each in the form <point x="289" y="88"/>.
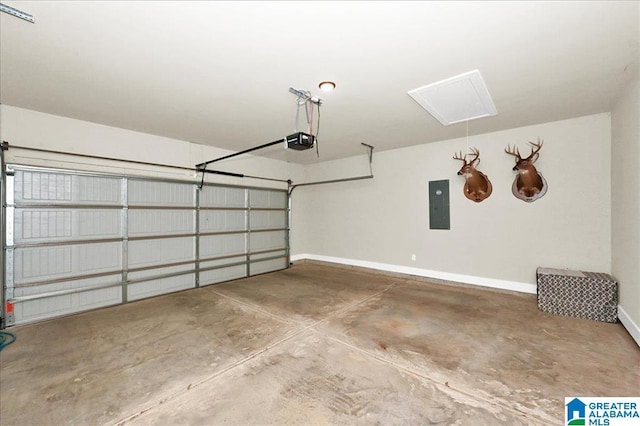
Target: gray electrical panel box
<point x="439" y="204"/>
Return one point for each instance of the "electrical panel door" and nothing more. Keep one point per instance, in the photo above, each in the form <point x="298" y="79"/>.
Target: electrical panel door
<point x="439" y="204"/>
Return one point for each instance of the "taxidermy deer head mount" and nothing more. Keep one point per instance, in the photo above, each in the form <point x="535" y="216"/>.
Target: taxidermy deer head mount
<point x="477" y="186"/>
<point x="529" y="184"/>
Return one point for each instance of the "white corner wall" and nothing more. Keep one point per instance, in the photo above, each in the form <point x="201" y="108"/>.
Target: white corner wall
<point x="500" y="242"/>
<point x="22" y="127"/>
<point x="625" y="192"/>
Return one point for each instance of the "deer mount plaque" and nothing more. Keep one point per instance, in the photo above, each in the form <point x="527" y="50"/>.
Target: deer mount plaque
<point x="529" y="184"/>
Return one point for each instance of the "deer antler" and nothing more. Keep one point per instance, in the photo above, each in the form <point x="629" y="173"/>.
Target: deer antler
<point x="475" y="153"/>
<point x="513" y="151"/>
<point x="537" y="146"/>
<point x="460" y="157"/>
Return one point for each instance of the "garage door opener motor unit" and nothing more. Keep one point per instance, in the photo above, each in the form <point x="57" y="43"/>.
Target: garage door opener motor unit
<point x="300" y="141"/>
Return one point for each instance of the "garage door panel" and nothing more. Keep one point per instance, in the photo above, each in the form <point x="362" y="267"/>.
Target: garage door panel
<point x="31" y="289"/>
<point x="95" y="258"/>
<point x="261" y="219"/>
<point x="42" y="263"/>
<point x="46" y="263"/>
<point x="227" y="261"/>
<point x="158" y="286"/>
<point x="261" y="241"/>
<point x="35" y="309"/>
<point x="81" y="295"/>
<point x="63" y="225"/>
<point x="268" y="254"/>
<point x="264" y="266"/>
<point x="222" y="245"/>
<point x="41" y="186"/>
<point x="222" y="220"/>
<point x="221" y="196"/>
<point x="265" y="198"/>
<point x="152" y="252"/>
<point x="157" y="193"/>
<point x="160" y="222"/>
<point x="215" y="276"/>
<point x="97" y="223"/>
<point x="97" y="298"/>
<point x="43" y="225"/>
<point x="32" y="310"/>
<point x="60" y="188"/>
<point x="39" y="309"/>
<point x="159" y="271"/>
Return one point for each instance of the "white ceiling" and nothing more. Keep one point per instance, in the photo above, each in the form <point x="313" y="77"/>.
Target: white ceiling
<point x="218" y="73"/>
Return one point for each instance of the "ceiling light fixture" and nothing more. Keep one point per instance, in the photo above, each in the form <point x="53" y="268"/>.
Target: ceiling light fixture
<point x="327" y="86"/>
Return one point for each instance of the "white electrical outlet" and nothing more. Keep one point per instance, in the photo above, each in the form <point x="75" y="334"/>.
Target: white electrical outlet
<point x="413" y="257"/>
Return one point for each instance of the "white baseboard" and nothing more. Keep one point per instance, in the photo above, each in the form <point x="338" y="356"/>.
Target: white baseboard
<point x="628" y="323"/>
<point x="465" y="279"/>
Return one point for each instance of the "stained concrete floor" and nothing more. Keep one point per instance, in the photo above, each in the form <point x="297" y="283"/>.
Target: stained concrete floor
<point x="314" y="344"/>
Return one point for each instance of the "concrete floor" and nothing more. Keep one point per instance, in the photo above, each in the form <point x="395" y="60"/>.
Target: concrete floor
<point x="314" y="344"/>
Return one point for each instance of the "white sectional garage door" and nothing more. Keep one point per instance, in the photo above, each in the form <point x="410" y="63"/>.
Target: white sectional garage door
<point x="78" y="241"/>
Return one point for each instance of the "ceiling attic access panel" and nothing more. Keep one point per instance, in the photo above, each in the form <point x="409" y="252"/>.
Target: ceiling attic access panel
<point x="456" y="99"/>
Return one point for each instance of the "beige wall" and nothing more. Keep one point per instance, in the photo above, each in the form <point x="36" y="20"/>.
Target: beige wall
<point x="21" y="127"/>
<point x="385" y="220"/>
<point x="625" y="193"/>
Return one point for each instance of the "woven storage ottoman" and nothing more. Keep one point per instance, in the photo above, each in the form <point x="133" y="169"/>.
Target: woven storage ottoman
<point x="579" y="294"/>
